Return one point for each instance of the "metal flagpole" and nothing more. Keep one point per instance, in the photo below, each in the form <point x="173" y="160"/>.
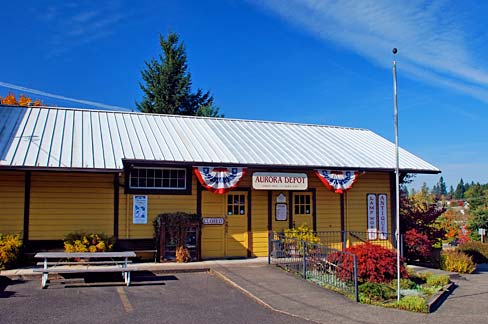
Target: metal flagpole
<point x="397" y="173"/>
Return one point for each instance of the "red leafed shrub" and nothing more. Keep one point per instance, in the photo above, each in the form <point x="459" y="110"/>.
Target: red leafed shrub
<point x="417" y="246"/>
<point x="375" y="263"/>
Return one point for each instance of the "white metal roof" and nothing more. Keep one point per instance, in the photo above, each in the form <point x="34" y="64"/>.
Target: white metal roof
<point x="88" y="139"/>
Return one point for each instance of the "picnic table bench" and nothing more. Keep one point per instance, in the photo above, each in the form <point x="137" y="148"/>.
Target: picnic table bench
<point x="84" y="262"/>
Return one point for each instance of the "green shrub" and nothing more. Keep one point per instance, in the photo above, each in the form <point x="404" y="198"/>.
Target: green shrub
<point x="88" y="242"/>
<point x="10" y="248"/>
<point x="437" y="280"/>
<point x="457" y="261"/>
<point x="376" y="291"/>
<point x="413" y="303"/>
<point x="477" y="250"/>
<point x="405" y="283"/>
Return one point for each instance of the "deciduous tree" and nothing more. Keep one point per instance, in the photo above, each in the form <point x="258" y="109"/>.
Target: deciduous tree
<point x="11" y="99"/>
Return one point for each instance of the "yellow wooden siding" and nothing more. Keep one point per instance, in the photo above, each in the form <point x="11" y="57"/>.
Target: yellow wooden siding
<point x="328" y="205"/>
<point x="157" y="204"/>
<point x="11" y="201"/>
<point x="259" y="223"/>
<point x="356" y="205"/>
<point x="65" y="202"/>
<point x="213" y="236"/>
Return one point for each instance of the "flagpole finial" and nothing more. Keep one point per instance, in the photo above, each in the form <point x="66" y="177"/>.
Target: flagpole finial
<point x="394" y="50"/>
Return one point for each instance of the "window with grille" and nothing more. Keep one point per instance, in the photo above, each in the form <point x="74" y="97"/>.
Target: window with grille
<point x="157" y="178"/>
<point x="301" y="204"/>
<point x="236" y="204"/>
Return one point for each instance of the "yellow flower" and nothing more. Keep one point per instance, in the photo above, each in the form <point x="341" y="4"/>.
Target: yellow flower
<point x="100" y="246"/>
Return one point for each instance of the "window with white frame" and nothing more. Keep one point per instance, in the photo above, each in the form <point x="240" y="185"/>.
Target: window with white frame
<point x="157" y="178"/>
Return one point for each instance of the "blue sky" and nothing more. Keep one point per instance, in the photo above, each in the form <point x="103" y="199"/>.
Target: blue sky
<point x="325" y="62"/>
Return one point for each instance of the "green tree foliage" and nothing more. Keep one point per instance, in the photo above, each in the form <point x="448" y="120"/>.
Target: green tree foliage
<point x="442" y="187"/>
<point x="167" y="84"/>
<point x="459" y="192"/>
<point x="477" y="198"/>
<point x="439" y="190"/>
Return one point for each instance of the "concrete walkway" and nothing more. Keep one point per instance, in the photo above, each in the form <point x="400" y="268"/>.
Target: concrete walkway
<point x="284" y="293"/>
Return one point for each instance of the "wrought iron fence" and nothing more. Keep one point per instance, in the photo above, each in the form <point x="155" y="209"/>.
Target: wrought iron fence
<point x="315" y="262"/>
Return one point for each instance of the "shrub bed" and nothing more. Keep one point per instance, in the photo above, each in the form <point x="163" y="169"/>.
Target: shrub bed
<point x="10" y="249"/>
<point x="414" y="292"/>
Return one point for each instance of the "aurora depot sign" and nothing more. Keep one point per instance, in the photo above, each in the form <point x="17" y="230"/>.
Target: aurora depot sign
<point x="279" y="181"/>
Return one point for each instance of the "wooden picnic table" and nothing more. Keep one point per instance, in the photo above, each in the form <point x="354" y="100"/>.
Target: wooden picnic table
<point x="82" y="262"/>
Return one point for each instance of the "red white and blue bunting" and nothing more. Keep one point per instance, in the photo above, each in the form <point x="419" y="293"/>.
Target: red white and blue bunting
<point x="219" y="180"/>
<point x="337" y="181"/>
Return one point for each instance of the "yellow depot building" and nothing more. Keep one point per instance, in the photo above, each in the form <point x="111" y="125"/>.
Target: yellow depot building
<point x="67" y="170"/>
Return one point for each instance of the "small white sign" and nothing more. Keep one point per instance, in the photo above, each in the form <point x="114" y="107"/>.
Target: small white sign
<point x="213" y="221"/>
<point x="372" y="229"/>
<point x="281" y="198"/>
<point x="383" y="216"/>
<point x="279" y="181"/>
<point x="281" y="212"/>
<point x="482" y="231"/>
<point x="139" y="211"/>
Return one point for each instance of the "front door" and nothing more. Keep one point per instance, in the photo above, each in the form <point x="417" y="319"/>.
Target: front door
<point x="302" y="209"/>
<point x="229" y="239"/>
<point x="236" y="224"/>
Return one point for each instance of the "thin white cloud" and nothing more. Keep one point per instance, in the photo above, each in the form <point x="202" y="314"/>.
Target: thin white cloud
<point x="435" y="44"/>
<point x="55" y="96"/>
<point x="76" y="24"/>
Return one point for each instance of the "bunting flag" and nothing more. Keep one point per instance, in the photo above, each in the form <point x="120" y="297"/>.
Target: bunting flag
<point x="337" y="181"/>
<point x="219" y="180"/>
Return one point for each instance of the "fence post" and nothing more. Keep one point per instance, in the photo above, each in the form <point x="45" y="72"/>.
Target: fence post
<point x="269" y="246"/>
<point x="356" y="289"/>
<point x="304" y="259"/>
<point x="344" y="240"/>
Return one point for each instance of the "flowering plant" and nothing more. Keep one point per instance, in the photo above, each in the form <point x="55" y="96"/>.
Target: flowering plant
<point x="88" y="242"/>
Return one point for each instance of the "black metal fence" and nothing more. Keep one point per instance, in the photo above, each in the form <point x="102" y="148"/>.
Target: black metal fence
<point x="340" y="240"/>
<point x="319" y="263"/>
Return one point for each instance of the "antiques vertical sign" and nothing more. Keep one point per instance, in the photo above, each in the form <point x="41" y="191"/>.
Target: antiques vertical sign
<point x="383" y="216"/>
<point x="139" y="211"/>
<point x="372" y="228"/>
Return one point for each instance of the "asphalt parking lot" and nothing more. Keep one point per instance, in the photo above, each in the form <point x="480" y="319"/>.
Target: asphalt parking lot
<point x="196" y="297"/>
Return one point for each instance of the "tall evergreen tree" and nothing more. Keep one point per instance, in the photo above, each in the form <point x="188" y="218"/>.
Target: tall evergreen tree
<point x="167" y="84"/>
<point x="450" y="194"/>
<point x="459" y="192"/>
<point x="442" y="187"/>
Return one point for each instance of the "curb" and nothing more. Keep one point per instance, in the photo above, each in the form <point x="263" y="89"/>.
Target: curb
<point x="440" y="297"/>
<point x="256" y="299"/>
